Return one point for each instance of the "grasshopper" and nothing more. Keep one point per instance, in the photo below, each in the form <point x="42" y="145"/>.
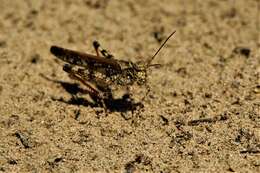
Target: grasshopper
<point x="102" y="74"/>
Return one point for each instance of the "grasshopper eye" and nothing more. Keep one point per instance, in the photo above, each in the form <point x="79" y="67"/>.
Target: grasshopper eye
<point x="139" y="66"/>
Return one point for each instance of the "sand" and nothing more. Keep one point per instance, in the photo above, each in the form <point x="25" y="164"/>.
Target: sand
<point x="202" y="114"/>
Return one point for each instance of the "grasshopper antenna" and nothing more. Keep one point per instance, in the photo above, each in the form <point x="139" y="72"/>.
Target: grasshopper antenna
<point x="151" y="59"/>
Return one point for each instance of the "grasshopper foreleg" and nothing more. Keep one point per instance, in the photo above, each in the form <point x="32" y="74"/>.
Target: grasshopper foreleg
<point x="148" y="89"/>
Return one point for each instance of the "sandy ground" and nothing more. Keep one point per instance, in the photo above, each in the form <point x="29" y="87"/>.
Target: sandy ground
<point x="202" y="114"/>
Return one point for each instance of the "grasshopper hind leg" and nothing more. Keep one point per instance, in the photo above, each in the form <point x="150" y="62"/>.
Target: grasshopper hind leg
<point x="97" y="95"/>
<point x="98" y="49"/>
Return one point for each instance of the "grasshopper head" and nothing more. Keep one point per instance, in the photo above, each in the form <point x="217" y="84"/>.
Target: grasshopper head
<point x="141" y="77"/>
<point x="138" y="71"/>
<point x="141" y="71"/>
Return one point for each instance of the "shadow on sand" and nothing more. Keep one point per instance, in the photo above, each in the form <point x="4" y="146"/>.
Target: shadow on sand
<point x="123" y="104"/>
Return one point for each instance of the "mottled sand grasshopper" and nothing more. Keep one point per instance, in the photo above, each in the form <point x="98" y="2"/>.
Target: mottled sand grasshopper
<point x="102" y="74"/>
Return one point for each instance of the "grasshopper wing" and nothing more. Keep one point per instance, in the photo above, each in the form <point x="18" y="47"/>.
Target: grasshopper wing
<point x="84" y="59"/>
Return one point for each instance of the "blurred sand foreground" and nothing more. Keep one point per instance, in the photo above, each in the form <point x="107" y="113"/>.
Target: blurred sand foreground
<point x="202" y="114"/>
